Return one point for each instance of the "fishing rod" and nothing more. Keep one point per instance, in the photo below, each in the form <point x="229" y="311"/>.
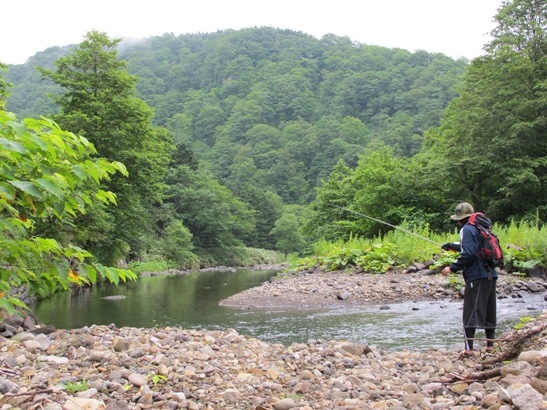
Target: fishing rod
<point x="385" y="223"/>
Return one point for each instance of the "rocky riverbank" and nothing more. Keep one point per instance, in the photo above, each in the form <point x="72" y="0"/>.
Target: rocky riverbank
<point x="104" y="367"/>
<point x="316" y="288"/>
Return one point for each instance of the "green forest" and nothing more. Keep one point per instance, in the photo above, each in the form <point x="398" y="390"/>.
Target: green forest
<point x="243" y="146"/>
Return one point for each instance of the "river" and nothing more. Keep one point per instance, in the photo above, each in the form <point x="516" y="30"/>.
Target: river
<point x="191" y="301"/>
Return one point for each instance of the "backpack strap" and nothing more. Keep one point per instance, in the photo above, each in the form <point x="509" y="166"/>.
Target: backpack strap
<point x="480" y="220"/>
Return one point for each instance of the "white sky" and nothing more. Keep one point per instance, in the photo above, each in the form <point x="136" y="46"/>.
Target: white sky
<point x="457" y="28"/>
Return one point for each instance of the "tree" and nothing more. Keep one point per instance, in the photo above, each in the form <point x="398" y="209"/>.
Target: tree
<point x="344" y="139"/>
<point x="100" y="104"/>
<point x="3" y="87"/>
<point x="326" y="217"/>
<point x="383" y="187"/>
<point x="47" y="174"/>
<point x="492" y="148"/>
<point x="177" y="246"/>
<point x="267" y="207"/>
<point x="214" y="216"/>
<point x="287" y="233"/>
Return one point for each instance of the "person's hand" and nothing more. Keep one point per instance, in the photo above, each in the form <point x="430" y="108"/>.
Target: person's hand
<point x="447" y="246"/>
<point x="446" y="271"/>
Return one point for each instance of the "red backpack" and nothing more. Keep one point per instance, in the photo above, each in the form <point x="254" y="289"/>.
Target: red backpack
<point x="490" y="251"/>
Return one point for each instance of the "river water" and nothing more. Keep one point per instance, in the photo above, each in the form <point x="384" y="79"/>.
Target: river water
<point x="191" y="301"/>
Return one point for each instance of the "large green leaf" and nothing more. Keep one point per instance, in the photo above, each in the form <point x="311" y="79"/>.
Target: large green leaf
<point x="19" y="128"/>
<point x="8" y="191"/>
<point x="27" y="187"/>
<point x="79" y="171"/>
<point x="50" y="187"/>
<point x="112" y="275"/>
<point x="59" y="208"/>
<point x="11" y="145"/>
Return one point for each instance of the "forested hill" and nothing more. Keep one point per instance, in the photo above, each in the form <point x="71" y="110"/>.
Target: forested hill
<point x="273" y="109"/>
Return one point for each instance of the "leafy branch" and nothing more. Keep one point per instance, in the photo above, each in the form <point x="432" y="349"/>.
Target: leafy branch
<point x="47" y="174"/>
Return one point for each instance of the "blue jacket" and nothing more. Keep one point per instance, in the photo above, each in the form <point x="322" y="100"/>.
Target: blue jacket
<point x="468" y="261"/>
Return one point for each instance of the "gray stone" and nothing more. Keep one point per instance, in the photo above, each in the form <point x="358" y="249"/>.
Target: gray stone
<point x="284" y="404"/>
<point x="22" y="336"/>
<point x="413" y="400"/>
<point x="114" y="297"/>
<point x="87" y="394"/>
<point x="525" y="397"/>
<point x="534" y="287"/>
<point x="29" y="323"/>
<point x="121" y="345"/>
<point x="53" y="359"/>
<point x="7" y="386"/>
<point x="516" y="369"/>
<point x="44" y="341"/>
<point x="412" y="269"/>
<point x="14" y="320"/>
<point x="32" y="345"/>
<point x="344" y="296"/>
<point x="52" y="406"/>
<point x="77" y="403"/>
<point x="137" y="379"/>
<point x="536" y="271"/>
<point x="117" y="405"/>
<point x="529" y="356"/>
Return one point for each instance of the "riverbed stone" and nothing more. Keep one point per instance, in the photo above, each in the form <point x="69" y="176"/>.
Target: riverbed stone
<point x="77" y="403"/>
<point x="284" y="404"/>
<point x="459" y="388"/>
<point x="87" y="394"/>
<point x="525" y="397"/>
<point x="137" y="379"/>
<point x="518" y="368"/>
<point x="530" y="356"/>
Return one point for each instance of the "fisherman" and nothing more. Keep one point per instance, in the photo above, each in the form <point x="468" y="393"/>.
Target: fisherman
<point x="479" y="300"/>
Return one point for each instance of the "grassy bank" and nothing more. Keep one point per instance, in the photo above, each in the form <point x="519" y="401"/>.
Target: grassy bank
<point x="525" y="246"/>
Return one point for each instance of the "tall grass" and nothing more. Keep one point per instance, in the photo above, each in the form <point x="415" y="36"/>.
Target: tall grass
<point x="408" y="248"/>
<point x="422" y="244"/>
<point x="523" y="234"/>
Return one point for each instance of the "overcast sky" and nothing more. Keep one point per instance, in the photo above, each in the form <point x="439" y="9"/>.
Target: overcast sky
<point x="457" y="28"/>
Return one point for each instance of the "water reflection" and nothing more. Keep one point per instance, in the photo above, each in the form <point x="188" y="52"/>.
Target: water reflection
<point x="192" y="302"/>
<point x="188" y="300"/>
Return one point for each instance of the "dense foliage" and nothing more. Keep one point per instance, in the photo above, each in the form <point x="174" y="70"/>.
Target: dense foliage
<point x="289" y="104"/>
<point x="399" y="248"/>
<point x="276" y="109"/>
<point x="267" y="138"/>
<point x="490" y="149"/>
<point x="46" y="177"/>
<point x="99" y="103"/>
<point x="258" y="116"/>
<point x="3" y="87"/>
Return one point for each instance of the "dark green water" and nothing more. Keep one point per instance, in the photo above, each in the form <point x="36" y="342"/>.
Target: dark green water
<point x="185" y="300"/>
<point x="193" y="302"/>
